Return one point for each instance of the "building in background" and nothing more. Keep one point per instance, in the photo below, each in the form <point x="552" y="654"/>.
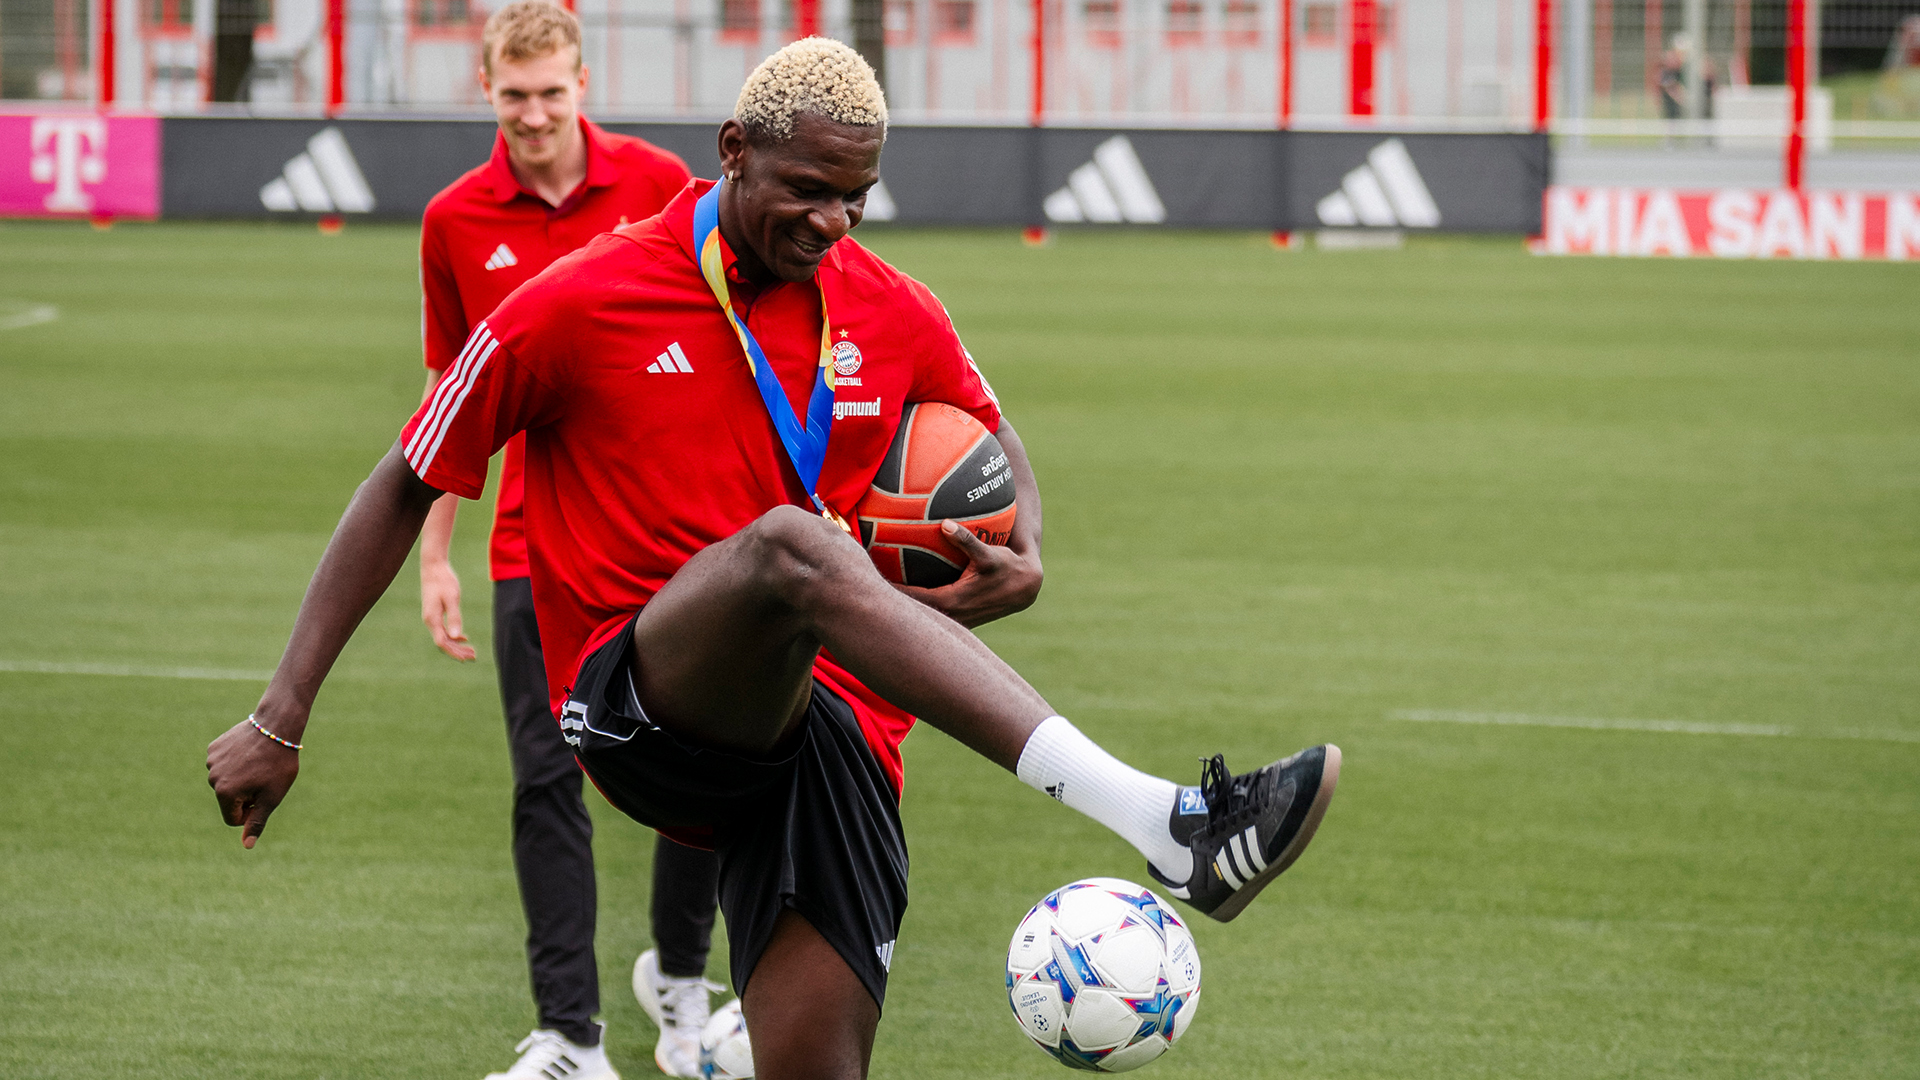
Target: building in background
<point x="1618" y="65"/>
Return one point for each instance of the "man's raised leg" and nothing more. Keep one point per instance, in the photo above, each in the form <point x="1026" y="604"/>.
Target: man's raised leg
<point x="723" y="655"/>
<point x="723" y="658"/>
<point x="724" y="652"/>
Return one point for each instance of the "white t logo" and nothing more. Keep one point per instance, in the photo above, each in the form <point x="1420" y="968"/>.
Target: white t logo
<point x="68" y="152"/>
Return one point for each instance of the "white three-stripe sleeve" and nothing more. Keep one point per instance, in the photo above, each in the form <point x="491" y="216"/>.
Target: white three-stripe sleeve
<point x="447" y="399"/>
<point x="466" y="388"/>
<point x="443" y="390"/>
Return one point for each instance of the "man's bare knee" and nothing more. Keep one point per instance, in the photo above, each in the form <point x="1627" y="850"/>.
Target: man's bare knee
<point x="804" y="558"/>
<point x="810" y="1016"/>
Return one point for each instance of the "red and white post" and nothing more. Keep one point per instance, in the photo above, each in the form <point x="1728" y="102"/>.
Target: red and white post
<point x="1036" y="234"/>
<point x="1796" y="155"/>
<point x="336" y="56"/>
<point x="1543" y="64"/>
<point x="103" y="55"/>
<point x="1037" y="46"/>
<point x="1285" y="69"/>
<point x="1283" y="73"/>
<point x="1361" y="18"/>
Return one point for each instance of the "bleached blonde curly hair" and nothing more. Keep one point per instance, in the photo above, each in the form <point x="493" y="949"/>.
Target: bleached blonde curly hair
<point x="817" y="75"/>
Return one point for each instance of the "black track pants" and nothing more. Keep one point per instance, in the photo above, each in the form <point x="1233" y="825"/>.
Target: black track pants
<point x="686" y="889"/>
<point x="552" y="834"/>
<point x="553" y="844"/>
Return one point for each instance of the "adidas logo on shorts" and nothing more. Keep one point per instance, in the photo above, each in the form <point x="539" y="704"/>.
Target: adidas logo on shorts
<point x="573" y="721"/>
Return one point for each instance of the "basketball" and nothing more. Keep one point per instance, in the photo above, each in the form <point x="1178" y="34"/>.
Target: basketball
<point x="943" y="465"/>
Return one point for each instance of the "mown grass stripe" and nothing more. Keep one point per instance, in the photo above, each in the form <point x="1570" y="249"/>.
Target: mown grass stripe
<point x="1678" y="727"/>
<point x="137" y="671"/>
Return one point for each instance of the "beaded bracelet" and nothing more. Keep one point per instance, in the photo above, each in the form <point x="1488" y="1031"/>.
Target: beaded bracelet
<point x="271" y="735"/>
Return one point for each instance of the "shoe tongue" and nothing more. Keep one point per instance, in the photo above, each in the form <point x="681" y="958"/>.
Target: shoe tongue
<point x="1237" y="796"/>
<point x="690" y="1002"/>
<point x="1242" y="788"/>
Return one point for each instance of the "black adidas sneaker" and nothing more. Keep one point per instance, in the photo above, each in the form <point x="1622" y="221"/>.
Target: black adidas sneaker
<point x="1244" y="830"/>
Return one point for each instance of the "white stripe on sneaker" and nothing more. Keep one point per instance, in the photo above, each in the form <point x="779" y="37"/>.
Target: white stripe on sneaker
<point x="1221" y="864"/>
<point x="1246" y="857"/>
<point x="1250" y="847"/>
<point x="1234" y="858"/>
<point x="1238" y="855"/>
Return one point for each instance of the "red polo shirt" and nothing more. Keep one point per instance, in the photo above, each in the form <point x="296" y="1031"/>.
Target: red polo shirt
<point x="646" y="437"/>
<point x="485" y="236"/>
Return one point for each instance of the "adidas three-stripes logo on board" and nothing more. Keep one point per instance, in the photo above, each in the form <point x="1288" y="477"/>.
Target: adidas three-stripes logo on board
<point x="1112" y="188"/>
<point x="672" y="361"/>
<point x="1387" y="191"/>
<point x="323" y="180"/>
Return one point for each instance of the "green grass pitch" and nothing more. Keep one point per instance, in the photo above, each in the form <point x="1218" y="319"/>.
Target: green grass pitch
<point x="1419" y="503"/>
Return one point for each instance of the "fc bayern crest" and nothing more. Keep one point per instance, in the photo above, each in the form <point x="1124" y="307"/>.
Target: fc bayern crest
<point x="846" y="358"/>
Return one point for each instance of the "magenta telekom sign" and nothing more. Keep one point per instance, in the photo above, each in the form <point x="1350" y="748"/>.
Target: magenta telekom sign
<point x="62" y="164"/>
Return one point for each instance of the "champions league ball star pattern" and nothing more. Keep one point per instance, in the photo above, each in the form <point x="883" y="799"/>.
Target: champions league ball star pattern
<point x="725" y="1052"/>
<point x="1103" y="975"/>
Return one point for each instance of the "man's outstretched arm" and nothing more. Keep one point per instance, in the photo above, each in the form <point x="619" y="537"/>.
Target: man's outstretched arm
<point x="439" y="585"/>
<point x="249" y="772"/>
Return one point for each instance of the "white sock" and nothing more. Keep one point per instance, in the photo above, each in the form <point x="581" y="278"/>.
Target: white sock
<point x="1070" y="767"/>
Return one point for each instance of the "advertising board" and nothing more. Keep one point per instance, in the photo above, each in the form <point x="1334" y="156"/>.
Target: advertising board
<point x="79" y="164"/>
<point x="1731" y="223"/>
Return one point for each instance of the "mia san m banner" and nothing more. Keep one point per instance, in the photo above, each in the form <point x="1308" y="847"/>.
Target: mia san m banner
<point x="1734" y="223"/>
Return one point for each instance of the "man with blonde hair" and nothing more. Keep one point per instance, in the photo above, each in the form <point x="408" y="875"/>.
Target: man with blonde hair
<point x="731" y="667"/>
<point x="555" y="180"/>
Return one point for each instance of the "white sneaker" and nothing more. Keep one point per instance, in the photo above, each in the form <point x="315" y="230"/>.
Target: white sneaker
<point x="548" y="1055"/>
<point x="679" y="1007"/>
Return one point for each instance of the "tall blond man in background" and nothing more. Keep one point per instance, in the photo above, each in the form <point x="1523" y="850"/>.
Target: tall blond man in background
<point x="554" y="181"/>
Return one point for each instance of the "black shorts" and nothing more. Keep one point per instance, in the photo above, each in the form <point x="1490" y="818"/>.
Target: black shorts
<point x="817" y="831"/>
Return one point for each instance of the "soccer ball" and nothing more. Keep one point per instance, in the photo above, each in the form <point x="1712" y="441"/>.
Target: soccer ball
<point x="1103" y="975"/>
<point x="724" y="1052"/>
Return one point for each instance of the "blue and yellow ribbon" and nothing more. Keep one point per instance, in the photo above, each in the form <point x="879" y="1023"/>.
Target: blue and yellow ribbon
<point x="806" y="444"/>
